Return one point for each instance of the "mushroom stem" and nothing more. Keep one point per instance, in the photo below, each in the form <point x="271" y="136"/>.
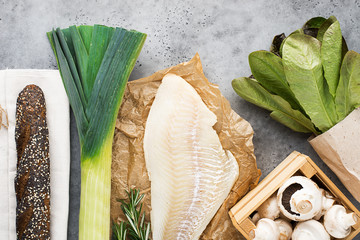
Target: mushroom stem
<point x="285" y="229"/>
<point x="252" y="234"/>
<point x="327" y="203"/>
<point x="338" y="222"/>
<point x="299" y="198"/>
<point x="304" y="206"/>
<point x="349" y="219"/>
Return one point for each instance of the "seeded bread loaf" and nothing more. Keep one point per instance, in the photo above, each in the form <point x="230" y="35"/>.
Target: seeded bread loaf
<point x="32" y="181"/>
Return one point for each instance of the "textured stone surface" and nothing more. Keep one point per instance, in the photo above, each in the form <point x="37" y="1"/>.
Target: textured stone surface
<point x="222" y="32"/>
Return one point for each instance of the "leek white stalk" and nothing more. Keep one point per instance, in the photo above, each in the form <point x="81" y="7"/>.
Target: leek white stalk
<point x="94" y="218"/>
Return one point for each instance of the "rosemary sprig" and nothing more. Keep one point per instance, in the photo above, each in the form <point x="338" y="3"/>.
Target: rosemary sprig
<point x="119" y="231"/>
<point x="135" y="228"/>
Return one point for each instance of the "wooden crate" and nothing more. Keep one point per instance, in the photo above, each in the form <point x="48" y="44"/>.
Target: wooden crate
<point x="295" y="164"/>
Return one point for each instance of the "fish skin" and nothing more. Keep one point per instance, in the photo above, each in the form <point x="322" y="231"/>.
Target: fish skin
<point x="190" y="173"/>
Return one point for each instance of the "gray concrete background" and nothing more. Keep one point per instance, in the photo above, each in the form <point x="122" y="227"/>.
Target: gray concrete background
<point x="222" y="32"/>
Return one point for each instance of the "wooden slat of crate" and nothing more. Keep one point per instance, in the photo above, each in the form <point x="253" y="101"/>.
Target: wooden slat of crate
<point x="339" y="195"/>
<point x="295" y="162"/>
<point x="247" y="205"/>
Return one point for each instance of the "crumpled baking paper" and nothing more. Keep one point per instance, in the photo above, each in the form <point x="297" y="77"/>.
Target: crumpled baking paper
<point x="128" y="166"/>
<point x="339" y="149"/>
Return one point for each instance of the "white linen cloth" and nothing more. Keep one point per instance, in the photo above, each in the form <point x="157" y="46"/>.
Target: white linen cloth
<point x="57" y="114"/>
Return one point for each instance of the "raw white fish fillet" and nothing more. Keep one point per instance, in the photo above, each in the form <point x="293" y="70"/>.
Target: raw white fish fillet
<point x="190" y="173"/>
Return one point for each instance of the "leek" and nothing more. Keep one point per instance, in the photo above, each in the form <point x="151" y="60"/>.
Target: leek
<point x="95" y="63"/>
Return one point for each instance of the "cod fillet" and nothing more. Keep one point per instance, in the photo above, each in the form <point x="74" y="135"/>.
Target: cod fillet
<point x="190" y="173"/>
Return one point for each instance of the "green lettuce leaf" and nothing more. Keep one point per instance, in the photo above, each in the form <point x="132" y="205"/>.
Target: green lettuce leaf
<point x="276" y="44"/>
<point x="253" y="92"/>
<point x="294" y="32"/>
<point x="314" y="22"/>
<point x="348" y="92"/>
<point x="311" y="27"/>
<point x="326" y="24"/>
<point x="268" y="70"/>
<point x="331" y="56"/>
<point x="304" y="73"/>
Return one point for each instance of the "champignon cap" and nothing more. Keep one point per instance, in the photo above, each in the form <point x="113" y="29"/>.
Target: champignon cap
<point x="269" y="209"/>
<point x="299" y="198"/>
<point x="266" y="229"/>
<point x="310" y="230"/>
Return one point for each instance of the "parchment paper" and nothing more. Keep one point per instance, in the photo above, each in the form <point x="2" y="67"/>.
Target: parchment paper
<point x="128" y="166"/>
<point x="339" y="149"/>
<point x="58" y="121"/>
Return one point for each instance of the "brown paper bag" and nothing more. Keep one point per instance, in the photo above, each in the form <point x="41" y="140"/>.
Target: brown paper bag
<point x="339" y="148"/>
<point x="129" y="169"/>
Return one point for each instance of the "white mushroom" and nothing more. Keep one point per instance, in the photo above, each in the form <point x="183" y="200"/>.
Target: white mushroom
<point x="328" y="201"/>
<point x="310" y="230"/>
<point x="269" y="208"/>
<point x="266" y="229"/>
<point x="285" y="229"/>
<point x="300" y="199"/>
<point x="338" y="223"/>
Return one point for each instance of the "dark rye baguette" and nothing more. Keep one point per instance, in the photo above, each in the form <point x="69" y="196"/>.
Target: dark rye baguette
<point x="32" y="181"/>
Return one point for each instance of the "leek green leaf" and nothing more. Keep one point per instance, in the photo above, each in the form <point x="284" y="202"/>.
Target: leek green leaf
<point x="115" y="70"/>
<point x="68" y="39"/>
<point x="70" y="58"/>
<point x="253" y="92"/>
<point x="99" y="42"/>
<point x="331" y="56"/>
<point x="86" y="33"/>
<point x="100" y="75"/>
<point x="268" y="70"/>
<point x="304" y="73"/>
<point x="71" y="87"/>
<point x="81" y="56"/>
<point x="348" y="92"/>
